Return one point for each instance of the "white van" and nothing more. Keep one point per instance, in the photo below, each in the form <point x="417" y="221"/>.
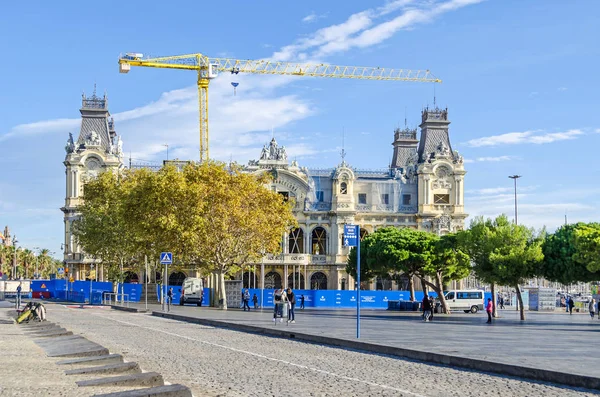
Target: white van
<point x="191" y="291"/>
<point x="467" y="300"/>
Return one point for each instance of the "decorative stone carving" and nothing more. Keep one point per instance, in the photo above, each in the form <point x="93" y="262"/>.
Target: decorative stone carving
<point x="70" y="146"/>
<point x="442" y="150"/>
<point x="443" y="222"/>
<point x="93" y="139"/>
<point x="458" y="159"/>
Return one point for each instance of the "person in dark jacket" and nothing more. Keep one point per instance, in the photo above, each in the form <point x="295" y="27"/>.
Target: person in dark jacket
<point x="426" y="308"/>
<point x="571" y="304"/>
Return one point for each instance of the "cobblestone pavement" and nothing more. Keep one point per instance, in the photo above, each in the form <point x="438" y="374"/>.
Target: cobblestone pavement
<point x="218" y="362"/>
<point x="539" y="342"/>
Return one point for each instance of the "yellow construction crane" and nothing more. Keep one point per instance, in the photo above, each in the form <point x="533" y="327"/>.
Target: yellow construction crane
<point x="209" y="68"/>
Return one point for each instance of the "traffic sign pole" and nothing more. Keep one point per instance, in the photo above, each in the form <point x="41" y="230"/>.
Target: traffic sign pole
<point x="358" y="283"/>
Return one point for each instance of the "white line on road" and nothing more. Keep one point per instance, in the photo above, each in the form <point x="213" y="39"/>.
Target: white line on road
<point x="333" y="374"/>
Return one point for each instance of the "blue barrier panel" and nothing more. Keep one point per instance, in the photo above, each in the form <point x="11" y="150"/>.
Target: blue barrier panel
<point x="177" y="294"/>
<point x="134" y="291"/>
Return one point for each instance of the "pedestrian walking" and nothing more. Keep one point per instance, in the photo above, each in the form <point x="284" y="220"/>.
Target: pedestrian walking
<point x="246" y="299"/>
<point x="280" y="298"/>
<point x="432" y="304"/>
<point x="489" y="308"/>
<point x="255" y="301"/>
<point x="18" y="298"/>
<point x="501" y="302"/>
<point x="570" y="304"/>
<point x="592" y="308"/>
<point x="169" y="298"/>
<point x="291" y="305"/>
<point x="302" y="302"/>
<point x="426" y="308"/>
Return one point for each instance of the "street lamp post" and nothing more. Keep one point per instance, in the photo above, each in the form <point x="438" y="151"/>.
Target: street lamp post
<point x="514" y="178"/>
<point x="14" y="243"/>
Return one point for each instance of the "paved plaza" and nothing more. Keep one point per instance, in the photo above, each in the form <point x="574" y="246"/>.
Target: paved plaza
<point x="553" y="341"/>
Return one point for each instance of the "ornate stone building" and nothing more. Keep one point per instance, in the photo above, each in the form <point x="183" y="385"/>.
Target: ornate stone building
<point x="98" y="148"/>
<point x="422" y="189"/>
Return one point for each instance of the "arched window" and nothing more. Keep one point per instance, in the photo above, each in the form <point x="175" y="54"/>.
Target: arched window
<point x="296" y="241"/>
<point x="318" y="281"/>
<point x="363" y="233"/>
<point x="249" y="280"/>
<point x="272" y="280"/>
<point x="343" y="188"/>
<point x="319" y="241"/>
<point x="383" y="283"/>
<point x="131" y="277"/>
<point x="293" y="281"/>
<point x="177" y="278"/>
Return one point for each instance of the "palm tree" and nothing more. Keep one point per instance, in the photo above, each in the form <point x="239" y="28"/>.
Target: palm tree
<point x="27" y="257"/>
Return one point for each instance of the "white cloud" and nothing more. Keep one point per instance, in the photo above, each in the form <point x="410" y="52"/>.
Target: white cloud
<point x="42" y="127"/>
<point x="489" y="159"/>
<point x="533" y="94"/>
<point x="313" y="17"/>
<point x="358" y="30"/>
<point x="533" y="136"/>
<point x="562" y="89"/>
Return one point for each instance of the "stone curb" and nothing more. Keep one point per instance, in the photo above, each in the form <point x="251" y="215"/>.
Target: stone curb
<point x="176" y="390"/>
<point x="131" y="367"/>
<point x="143" y="379"/>
<point x="128" y="309"/>
<point x="518" y="371"/>
<point x="109" y="359"/>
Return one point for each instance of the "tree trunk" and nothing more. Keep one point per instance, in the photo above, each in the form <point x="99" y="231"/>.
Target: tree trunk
<point x="440" y="292"/>
<point x="494" y="308"/>
<point x="423" y="285"/>
<point x="222" y="294"/>
<point x="520" y="301"/>
<point x="411" y="287"/>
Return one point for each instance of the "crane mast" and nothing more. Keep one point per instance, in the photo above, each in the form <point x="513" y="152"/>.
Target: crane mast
<point x="208" y="68"/>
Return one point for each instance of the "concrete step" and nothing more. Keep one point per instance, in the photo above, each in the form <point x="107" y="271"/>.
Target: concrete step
<point x="143" y="379"/>
<point x="51" y="333"/>
<point x="118" y="368"/>
<point x="159" y="391"/>
<point x="104" y="360"/>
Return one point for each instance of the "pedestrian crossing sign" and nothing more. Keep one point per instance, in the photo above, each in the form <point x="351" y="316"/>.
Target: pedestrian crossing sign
<point x="166" y="258"/>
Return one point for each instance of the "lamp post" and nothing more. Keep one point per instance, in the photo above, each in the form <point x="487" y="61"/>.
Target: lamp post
<point x="514" y="178"/>
<point x="14" y="243"/>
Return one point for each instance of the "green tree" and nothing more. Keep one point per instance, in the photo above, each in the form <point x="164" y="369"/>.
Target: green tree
<point x="392" y="250"/>
<point x="563" y="261"/>
<point x="587" y="245"/>
<point x="239" y="219"/>
<point x="448" y="263"/>
<point x="102" y="229"/>
<point x="479" y="241"/>
<point x="516" y="257"/>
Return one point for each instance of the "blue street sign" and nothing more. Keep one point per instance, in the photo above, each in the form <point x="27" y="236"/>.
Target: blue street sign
<point x="61" y="270"/>
<point x="350" y="236"/>
<point x="166" y="258"/>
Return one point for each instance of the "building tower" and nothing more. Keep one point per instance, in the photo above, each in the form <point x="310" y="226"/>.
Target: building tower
<point x="98" y="148"/>
<point x="440" y="175"/>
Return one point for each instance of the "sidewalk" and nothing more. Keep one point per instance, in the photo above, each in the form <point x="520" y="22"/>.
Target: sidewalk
<point x="546" y="341"/>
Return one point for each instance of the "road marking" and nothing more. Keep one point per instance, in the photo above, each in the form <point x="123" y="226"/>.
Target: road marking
<point x="321" y="371"/>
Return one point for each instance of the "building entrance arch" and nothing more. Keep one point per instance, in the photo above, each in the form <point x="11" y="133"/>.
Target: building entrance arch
<point x="177" y="278"/>
<point x="272" y="280"/>
<point x="318" y="281"/>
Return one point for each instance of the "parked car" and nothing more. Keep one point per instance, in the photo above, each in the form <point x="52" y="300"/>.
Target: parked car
<point x="192" y="291"/>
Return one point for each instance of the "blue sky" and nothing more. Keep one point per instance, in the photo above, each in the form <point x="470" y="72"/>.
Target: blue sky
<point x="518" y="79"/>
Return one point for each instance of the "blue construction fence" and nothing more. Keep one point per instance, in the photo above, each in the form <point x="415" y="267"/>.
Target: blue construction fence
<point x="79" y="291"/>
<point x="342" y="299"/>
<point x="160" y="289"/>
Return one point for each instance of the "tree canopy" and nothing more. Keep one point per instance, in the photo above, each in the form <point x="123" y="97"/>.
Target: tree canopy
<point x="212" y="217"/>
<point x="587" y="245"/>
<point x="564" y="258"/>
